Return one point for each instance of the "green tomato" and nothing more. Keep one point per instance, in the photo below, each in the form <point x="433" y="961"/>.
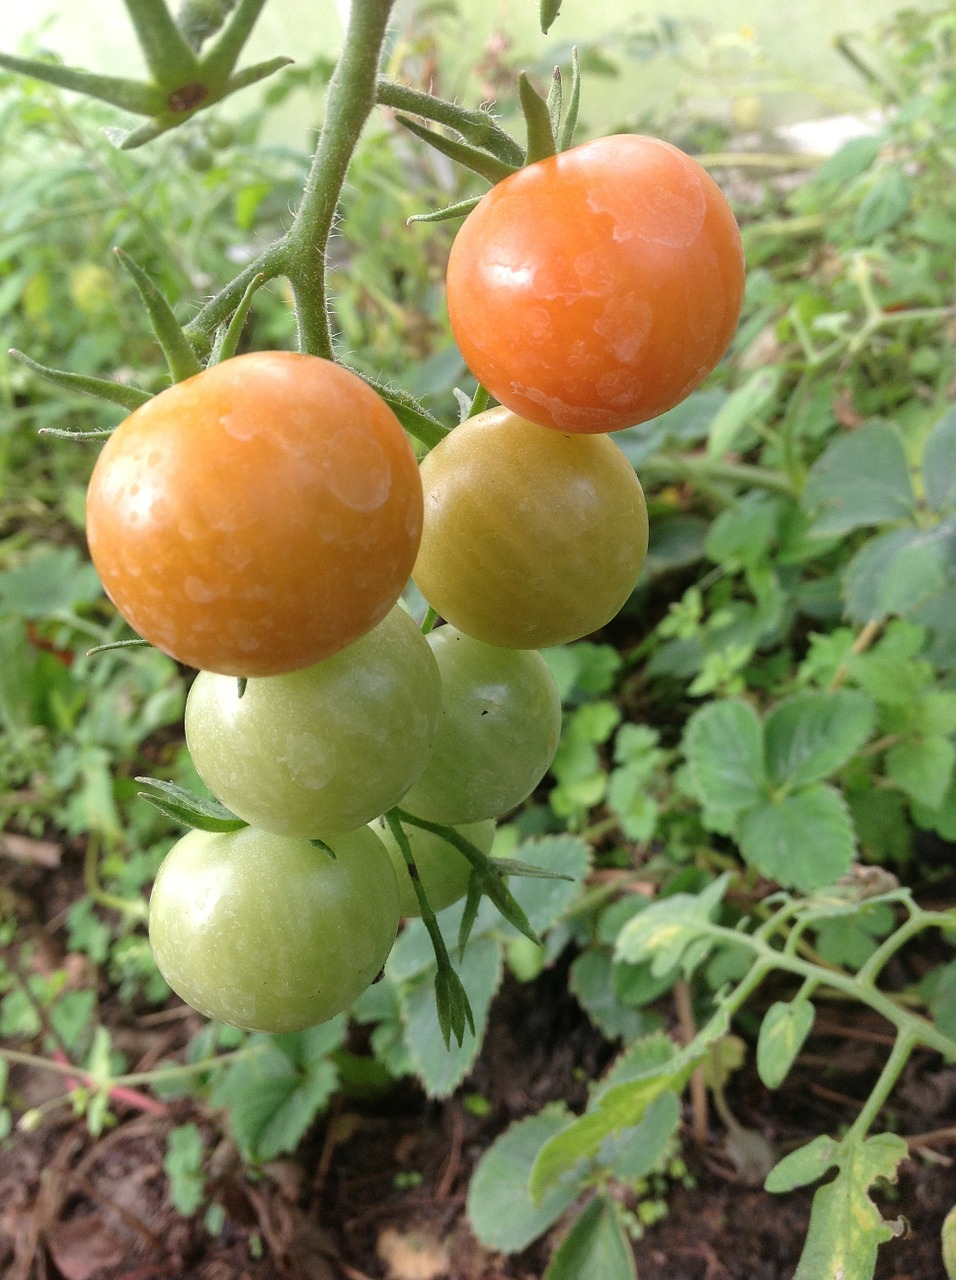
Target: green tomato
<point x="270" y="933"/>
<point x="323" y="750"/>
<point x="499" y="730"/>
<point x="442" y="870"/>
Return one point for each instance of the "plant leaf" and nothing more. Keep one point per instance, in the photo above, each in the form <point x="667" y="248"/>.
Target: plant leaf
<point x="813" y="734"/>
<point x="186" y="807"/>
<point x="805" y="1165"/>
<point x="783" y="1033"/>
<point x="923" y="768"/>
<point x="500" y="1209"/>
<point x="663" y="932"/>
<point x="803" y="841"/>
<point x="939" y="463"/>
<point x="899" y="571"/>
<point x="597" y="1246"/>
<point x="860" y="479"/>
<point x="723" y="743"/>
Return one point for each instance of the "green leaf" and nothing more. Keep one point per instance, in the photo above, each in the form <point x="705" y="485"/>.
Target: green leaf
<point x="899" y="571"/>
<point x="860" y="479"/>
<point x="853" y="158"/>
<point x="591" y="982"/>
<point x="636" y="1152"/>
<point x="52" y="582"/>
<point x="805" y="1165"/>
<point x="803" y="841"/>
<point x="883" y="207"/>
<point x="812" y="734"/>
<point x="923" y="768"/>
<point x="664" y="931"/>
<point x="183" y="1167"/>
<point x="621" y="1107"/>
<point x="846" y="1228"/>
<point x="741" y="408"/>
<point x="743" y="532"/>
<point x="441" y="1069"/>
<point x="500" y="1209"/>
<point x="783" y="1033"/>
<point x="723" y="743"/>
<point x="274" y="1094"/>
<point x="597" y="1246"/>
<point x="939" y="463"/>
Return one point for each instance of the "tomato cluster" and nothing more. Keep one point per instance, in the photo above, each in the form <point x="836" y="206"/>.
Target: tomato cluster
<point x="261" y="520"/>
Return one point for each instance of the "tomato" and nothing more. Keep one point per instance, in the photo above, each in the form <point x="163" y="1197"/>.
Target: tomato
<point x="258" y="517"/>
<point x="499" y="730"/>
<point x="532" y="537"/>
<point x="597" y="288"/>
<point x="326" y="749"/>
<point x="268" y="933"/>
<point x="442" y="870"/>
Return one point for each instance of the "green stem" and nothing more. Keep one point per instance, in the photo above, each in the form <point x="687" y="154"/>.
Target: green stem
<point x="868" y="972"/>
<point x="135" y="1077"/>
<point x="906" y="1042"/>
<point x="351" y="99"/>
<point x="849" y="985"/>
<point x="269" y="265"/>
<point x="701" y="471"/>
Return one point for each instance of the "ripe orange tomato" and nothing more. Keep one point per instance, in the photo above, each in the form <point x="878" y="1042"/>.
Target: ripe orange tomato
<point x="597" y="288"/>
<point x="532" y="537"/>
<point x="258" y="517"/>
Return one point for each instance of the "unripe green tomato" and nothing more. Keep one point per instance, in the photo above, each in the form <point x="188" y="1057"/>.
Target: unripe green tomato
<point x="324" y="750"/>
<point x="442" y="870"/>
<point x="499" y="730"/>
<point x="268" y="933"/>
<point x="531" y="537"/>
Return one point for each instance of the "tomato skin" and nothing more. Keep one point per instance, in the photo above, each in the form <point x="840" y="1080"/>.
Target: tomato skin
<point x="597" y="288"/>
<point x="321" y="751"/>
<point x="532" y="537"/>
<point x="258" y="516"/>
<point x="271" y="934"/>
<point x="499" y="731"/>
<point x="443" y="871"/>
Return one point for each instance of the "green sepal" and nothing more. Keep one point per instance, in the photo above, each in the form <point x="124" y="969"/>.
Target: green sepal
<point x="227" y="335"/>
<point x="59" y="433"/>
<point x="548" y="12"/>
<point x="131" y="95"/>
<point x="537" y="119"/>
<point x="470" y="913"/>
<point x="459" y="210"/>
<point x="413" y="417"/>
<point x="220" y="58"/>
<point x="250" y="75"/>
<point x="188" y="808"/>
<point x="452" y="1004"/>
<point x="129" y="139"/>
<point x="512" y="867"/>
<point x="181" y="358"/>
<point x="165" y="49"/>
<point x="200" y="19"/>
<point x="102" y="388"/>
<point x="118" y="644"/>
<point x="555" y="101"/>
<point x="326" y="848"/>
<point x="566" y="136"/>
<point x="476" y="127"/>
<point x="481" y="162"/>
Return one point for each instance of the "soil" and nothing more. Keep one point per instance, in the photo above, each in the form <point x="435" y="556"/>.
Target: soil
<point x="377" y="1189"/>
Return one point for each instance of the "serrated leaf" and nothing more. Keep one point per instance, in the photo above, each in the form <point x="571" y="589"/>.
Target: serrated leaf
<point x="664" y="931"/>
<point x="813" y="734"/>
<point x="923" y="768"/>
<point x="500" y="1209"/>
<point x="846" y="1228"/>
<point x="634" y="1153"/>
<point x="441" y="1069"/>
<point x="744" y="531"/>
<point x="591" y="982"/>
<point x="723" y="743"/>
<point x="53" y="581"/>
<point x="621" y="1107"/>
<point x="783" y="1033"/>
<point x="803" y="841"/>
<point x="899" y="571"/>
<point x="805" y="1165"/>
<point x="273" y="1095"/>
<point x="939" y="463"/>
<point x="883" y="206"/>
<point x="860" y="479"/>
<point x="597" y="1246"/>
